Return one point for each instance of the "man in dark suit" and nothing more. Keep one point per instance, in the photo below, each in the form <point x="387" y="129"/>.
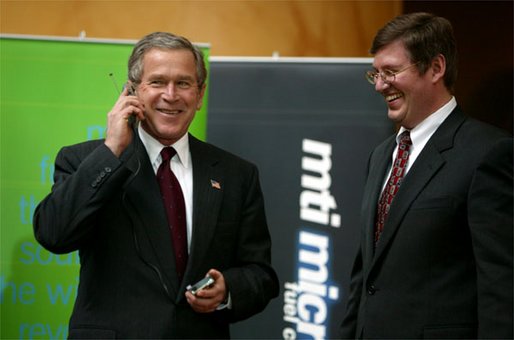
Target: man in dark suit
<point x="435" y="256"/>
<point x="106" y="203"/>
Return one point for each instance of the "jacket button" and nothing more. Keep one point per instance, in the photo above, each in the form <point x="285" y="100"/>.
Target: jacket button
<point x="371" y="290"/>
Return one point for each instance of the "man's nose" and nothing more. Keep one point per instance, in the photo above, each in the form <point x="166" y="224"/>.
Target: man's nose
<point x="170" y="92"/>
<point x="381" y="85"/>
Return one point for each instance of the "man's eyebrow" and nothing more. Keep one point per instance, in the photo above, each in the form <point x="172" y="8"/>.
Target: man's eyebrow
<point x="178" y="77"/>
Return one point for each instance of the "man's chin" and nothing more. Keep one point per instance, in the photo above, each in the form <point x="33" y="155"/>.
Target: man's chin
<point x="394" y="115"/>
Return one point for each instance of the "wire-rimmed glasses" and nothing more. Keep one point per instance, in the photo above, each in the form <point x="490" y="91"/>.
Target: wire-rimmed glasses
<point x="387" y="76"/>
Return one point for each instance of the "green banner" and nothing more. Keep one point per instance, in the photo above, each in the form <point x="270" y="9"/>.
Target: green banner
<point x="53" y="92"/>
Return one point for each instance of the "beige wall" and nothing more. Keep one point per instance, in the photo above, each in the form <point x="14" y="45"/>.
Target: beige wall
<point x="233" y="28"/>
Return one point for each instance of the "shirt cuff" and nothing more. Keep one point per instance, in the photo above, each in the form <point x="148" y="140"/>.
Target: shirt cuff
<point x="226" y="304"/>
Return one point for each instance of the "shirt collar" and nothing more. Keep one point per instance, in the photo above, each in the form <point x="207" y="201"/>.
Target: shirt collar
<point x="154" y="147"/>
<point x="429" y="125"/>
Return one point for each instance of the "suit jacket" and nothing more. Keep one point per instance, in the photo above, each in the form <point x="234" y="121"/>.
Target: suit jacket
<point x="443" y="265"/>
<point x="111" y="210"/>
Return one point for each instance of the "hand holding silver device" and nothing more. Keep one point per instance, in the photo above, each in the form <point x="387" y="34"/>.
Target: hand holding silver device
<point x="203" y="283"/>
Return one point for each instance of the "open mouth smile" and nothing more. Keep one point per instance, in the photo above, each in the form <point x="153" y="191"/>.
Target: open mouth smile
<point x="394" y="96"/>
<point x="169" y="111"/>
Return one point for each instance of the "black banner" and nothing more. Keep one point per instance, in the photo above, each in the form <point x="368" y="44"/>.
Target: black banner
<point x="309" y="125"/>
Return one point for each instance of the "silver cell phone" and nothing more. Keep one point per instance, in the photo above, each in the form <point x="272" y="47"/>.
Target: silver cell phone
<point x="203" y="283"/>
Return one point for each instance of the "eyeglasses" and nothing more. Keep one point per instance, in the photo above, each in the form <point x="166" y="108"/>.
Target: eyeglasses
<point x="387" y="76"/>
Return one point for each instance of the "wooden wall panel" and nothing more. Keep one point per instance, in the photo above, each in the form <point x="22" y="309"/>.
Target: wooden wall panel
<point x="485" y="39"/>
<point x="297" y="28"/>
<point x="233" y="28"/>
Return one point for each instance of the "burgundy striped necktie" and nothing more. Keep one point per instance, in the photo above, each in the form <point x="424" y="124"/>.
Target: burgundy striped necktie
<point x="175" y="209"/>
<point x="393" y="183"/>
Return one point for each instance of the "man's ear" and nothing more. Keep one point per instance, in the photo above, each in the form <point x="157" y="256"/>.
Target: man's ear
<point x="438" y="68"/>
<point x="200" y="97"/>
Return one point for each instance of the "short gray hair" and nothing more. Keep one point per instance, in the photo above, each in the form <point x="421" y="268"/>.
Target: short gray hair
<point x="164" y="40"/>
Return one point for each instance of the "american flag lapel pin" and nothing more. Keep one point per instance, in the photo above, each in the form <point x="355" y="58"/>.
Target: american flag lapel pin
<point x="215" y="184"/>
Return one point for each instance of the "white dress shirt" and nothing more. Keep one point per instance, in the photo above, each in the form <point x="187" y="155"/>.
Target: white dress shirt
<point x="181" y="166"/>
<point x="421" y="134"/>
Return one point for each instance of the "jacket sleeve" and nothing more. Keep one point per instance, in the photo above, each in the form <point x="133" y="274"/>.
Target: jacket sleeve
<point x="253" y="282"/>
<point x="348" y="327"/>
<point x="490" y="221"/>
<point x="86" y="176"/>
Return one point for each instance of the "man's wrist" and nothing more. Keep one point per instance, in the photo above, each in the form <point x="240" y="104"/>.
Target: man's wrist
<point x="227" y="303"/>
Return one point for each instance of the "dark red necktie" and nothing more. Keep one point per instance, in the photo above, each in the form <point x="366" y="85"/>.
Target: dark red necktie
<point x="175" y="209"/>
<point x="393" y="183"/>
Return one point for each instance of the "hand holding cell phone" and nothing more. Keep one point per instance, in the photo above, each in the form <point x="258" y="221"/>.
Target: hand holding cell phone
<point x="121" y="119"/>
<point x="208" y="294"/>
<point x="202" y="284"/>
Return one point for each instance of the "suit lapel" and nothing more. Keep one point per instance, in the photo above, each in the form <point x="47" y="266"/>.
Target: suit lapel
<point x="379" y="163"/>
<point x="422" y="171"/>
<point x="143" y="204"/>
<point x="413" y="183"/>
<point x="206" y="204"/>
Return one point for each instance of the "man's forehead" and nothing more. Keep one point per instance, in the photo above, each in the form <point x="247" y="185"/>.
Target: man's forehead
<point x="394" y="53"/>
<point x="155" y="60"/>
